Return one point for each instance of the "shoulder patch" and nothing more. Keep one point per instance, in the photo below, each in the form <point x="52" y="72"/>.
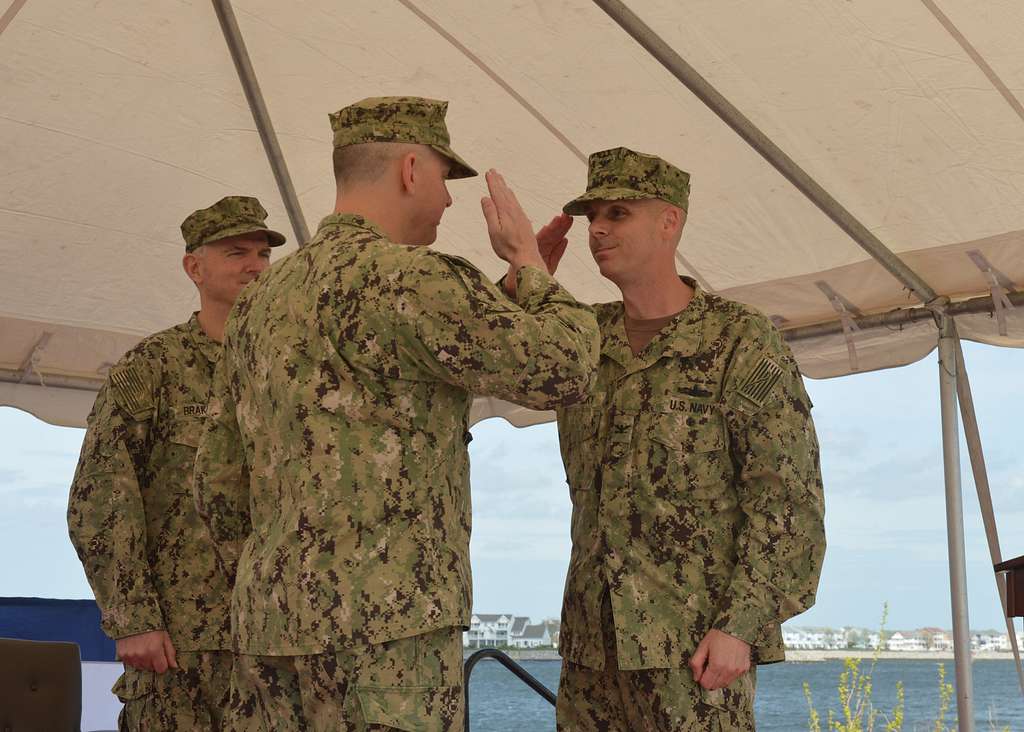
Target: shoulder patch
<point x="759" y="383"/>
<point x="130" y="388"/>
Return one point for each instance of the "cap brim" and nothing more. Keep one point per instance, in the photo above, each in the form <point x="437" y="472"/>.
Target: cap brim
<point x="578" y="206"/>
<point x="460" y="168"/>
<point x="274" y="238"/>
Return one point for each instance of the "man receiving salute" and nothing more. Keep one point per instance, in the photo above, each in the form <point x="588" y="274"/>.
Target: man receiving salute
<point x="130" y="514"/>
<point x="697" y="522"/>
<point x="334" y="473"/>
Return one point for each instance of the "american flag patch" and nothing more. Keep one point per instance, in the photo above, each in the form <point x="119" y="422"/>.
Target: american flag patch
<point x="130" y="387"/>
<point x="758" y="385"/>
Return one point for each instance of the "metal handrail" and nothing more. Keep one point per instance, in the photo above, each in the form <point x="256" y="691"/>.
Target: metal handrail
<point x="507" y="662"/>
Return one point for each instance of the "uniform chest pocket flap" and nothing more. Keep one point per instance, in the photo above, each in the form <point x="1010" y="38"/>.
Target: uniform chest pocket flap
<point x="187" y="431"/>
<point x="690" y="428"/>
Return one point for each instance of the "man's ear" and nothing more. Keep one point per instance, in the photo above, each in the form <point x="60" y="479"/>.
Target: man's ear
<point x="410" y="171"/>
<point x="672" y="220"/>
<point x="190" y="263"/>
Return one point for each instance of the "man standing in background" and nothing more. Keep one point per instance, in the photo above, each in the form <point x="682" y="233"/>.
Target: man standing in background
<point x="131" y="516"/>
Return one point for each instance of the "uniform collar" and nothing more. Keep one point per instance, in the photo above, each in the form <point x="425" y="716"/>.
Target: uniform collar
<point x="338" y="220"/>
<point x="202" y="342"/>
<point x="681" y="337"/>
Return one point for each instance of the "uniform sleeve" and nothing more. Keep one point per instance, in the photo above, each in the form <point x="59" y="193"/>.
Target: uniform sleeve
<point x="221" y="480"/>
<point x="781" y="543"/>
<point x="106" y="516"/>
<point x="461" y="328"/>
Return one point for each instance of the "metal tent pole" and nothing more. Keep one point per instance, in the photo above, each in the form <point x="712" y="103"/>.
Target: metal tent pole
<point x="974" y="448"/>
<point x="955" y="524"/>
<point x="258" y="107"/>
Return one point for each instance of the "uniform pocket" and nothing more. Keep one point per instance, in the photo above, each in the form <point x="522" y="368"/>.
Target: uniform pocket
<point x="412" y="710"/>
<point x="133" y="685"/>
<point x="733" y="704"/>
<point x="187" y="432"/>
<point x="687" y="456"/>
<point x="413" y="684"/>
<point x="699" y="429"/>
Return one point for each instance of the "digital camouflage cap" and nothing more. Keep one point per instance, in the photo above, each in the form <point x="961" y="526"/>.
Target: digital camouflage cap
<point x="230" y="216"/>
<point x="620" y="174"/>
<point x="398" y="119"/>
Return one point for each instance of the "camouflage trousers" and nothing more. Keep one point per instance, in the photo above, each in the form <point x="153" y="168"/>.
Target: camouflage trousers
<point x="648" y="700"/>
<point x="412" y="684"/>
<point x="191" y="697"/>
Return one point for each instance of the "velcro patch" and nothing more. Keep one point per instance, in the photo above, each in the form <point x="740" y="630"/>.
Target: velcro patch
<point x="758" y="385"/>
<point x="130" y="388"/>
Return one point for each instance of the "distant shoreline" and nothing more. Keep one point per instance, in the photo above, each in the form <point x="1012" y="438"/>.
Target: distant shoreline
<point x="800" y="656"/>
<point x="804" y="656"/>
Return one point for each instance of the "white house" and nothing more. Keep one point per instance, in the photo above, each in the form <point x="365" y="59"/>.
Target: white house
<point x="519" y="624"/>
<point x="489" y="630"/>
<point x="990" y="640"/>
<point x="813" y="638"/>
<point x="906" y="640"/>
<point x="535" y="636"/>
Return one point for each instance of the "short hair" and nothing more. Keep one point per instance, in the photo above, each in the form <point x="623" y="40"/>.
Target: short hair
<point x="365" y="162"/>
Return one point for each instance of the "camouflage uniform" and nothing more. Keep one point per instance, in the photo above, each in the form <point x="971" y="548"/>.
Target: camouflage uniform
<point x="334" y="472"/>
<point x="131" y="515"/>
<point x="697" y="501"/>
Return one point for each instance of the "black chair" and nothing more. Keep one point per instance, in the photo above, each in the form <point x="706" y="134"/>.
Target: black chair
<point x="1014" y="569"/>
<point x="40" y="686"/>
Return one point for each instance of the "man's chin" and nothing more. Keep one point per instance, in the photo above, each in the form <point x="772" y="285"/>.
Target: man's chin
<point x="607" y="271"/>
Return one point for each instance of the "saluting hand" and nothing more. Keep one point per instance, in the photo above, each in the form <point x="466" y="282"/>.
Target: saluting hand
<point x="552" y="240"/>
<point x="150" y="651"/>
<point x="551" y="243"/>
<point x="508" y="226"/>
<point x="719" y="660"/>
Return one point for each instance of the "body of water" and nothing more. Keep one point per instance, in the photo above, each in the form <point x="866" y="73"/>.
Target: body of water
<point x="499" y="702"/>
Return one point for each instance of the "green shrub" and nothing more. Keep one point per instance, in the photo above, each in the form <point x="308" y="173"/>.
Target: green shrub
<point x="857" y="712"/>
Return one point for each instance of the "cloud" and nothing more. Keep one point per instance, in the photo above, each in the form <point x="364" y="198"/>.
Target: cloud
<point x="10" y="477"/>
<point x="517" y="473"/>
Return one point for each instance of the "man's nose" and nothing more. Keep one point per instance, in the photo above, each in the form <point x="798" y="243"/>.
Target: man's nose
<point x="256" y="263"/>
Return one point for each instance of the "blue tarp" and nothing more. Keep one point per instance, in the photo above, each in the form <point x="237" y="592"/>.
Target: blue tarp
<point x="39" y="618"/>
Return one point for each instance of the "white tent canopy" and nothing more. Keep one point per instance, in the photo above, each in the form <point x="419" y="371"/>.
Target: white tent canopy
<point x="120" y="117"/>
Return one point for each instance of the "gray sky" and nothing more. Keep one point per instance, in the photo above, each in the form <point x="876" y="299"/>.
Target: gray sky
<point x="881" y="456"/>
